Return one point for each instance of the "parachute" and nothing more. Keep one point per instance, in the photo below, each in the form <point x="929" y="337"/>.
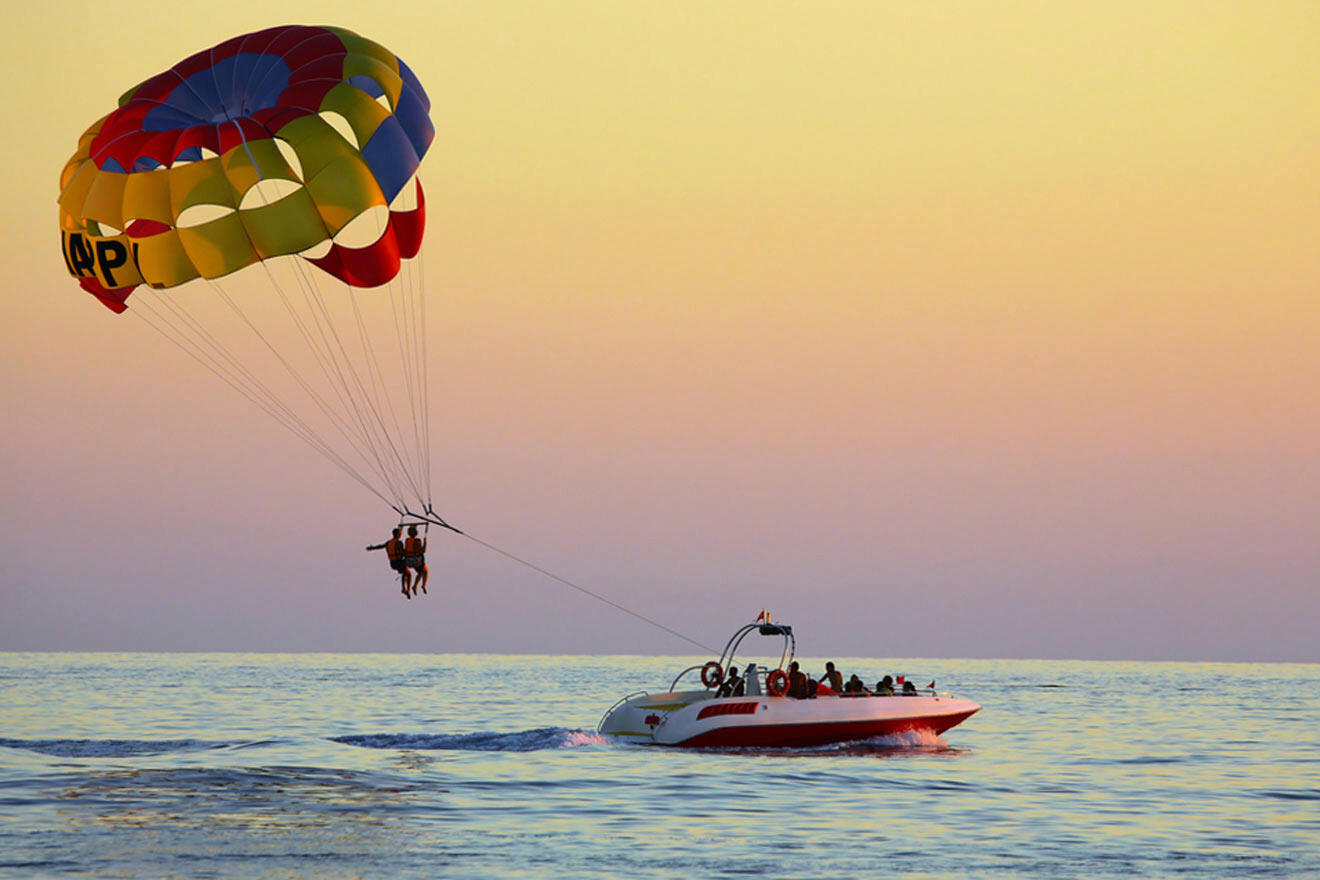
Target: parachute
<point x="286" y="158"/>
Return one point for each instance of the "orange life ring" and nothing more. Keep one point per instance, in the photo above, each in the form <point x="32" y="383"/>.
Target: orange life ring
<point x="711" y="674"/>
<point x="777" y="682"/>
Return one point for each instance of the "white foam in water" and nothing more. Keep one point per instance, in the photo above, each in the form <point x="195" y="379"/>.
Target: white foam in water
<point x="908" y="739"/>
<point x="913" y="739"/>
<point x="575" y="738"/>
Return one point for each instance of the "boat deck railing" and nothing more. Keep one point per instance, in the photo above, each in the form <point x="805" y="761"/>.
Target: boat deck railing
<point x="621" y="701"/>
<point x="674" y="686"/>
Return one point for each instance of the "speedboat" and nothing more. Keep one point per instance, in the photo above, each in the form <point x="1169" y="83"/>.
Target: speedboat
<point x="760" y="713"/>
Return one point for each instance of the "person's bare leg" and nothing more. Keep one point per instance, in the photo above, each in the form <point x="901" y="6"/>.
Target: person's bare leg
<point x="422" y="577"/>
<point x="407" y="580"/>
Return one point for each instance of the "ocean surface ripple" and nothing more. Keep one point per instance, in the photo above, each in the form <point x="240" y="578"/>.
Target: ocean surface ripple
<point x="393" y="766"/>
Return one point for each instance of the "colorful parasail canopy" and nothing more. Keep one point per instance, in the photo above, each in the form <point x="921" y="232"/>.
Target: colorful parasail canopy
<point x="282" y="148"/>
<point x="268" y="144"/>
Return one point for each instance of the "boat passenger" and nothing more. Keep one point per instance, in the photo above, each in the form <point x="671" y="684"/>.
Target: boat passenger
<point x="885" y="687"/>
<point x="797" y="682"/>
<point x="832" y="677"/>
<point x="909" y="689"/>
<point x="854" y="687"/>
<point x="733" y="686"/>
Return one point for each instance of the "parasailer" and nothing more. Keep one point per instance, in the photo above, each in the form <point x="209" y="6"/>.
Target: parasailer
<point x="394" y="554"/>
<point x="414" y="557"/>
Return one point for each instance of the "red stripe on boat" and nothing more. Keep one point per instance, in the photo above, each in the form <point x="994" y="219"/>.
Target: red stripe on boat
<point x="727" y="709"/>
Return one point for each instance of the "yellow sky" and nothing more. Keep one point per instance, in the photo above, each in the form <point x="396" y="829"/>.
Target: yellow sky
<point x="1023" y="260"/>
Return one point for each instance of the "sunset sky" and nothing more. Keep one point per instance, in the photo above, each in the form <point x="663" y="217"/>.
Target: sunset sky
<point x="937" y="329"/>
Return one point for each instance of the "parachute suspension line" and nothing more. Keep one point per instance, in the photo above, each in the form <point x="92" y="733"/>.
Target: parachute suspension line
<point x="333" y="365"/>
<point x="371" y="406"/>
<point x="149" y="316"/>
<point x="418" y="293"/>
<point x="289" y="368"/>
<point x="222" y="358"/>
<point x="373" y="365"/>
<point x="217" y="359"/>
<point x="413" y="450"/>
<point x="358" y="435"/>
<point x="219" y="356"/>
<point x="334" y="373"/>
<point x="361" y="445"/>
<point x="419" y="268"/>
<point x="354" y="390"/>
<point x="396" y="294"/>
<point x="395" y="285"/>
<point x="410" y="349"/>
<point x="401" y="289"/>
<point x="416" y="280"/>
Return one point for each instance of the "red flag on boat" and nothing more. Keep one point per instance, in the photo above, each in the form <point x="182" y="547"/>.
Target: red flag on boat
<point x="932" y="684"/>
<point x="901" y="679"/>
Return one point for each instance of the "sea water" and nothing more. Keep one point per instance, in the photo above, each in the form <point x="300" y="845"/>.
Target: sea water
<point x="403" y="766"/>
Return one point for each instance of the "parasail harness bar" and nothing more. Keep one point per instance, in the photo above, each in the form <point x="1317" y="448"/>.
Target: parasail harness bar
<point x="429" y="518"/>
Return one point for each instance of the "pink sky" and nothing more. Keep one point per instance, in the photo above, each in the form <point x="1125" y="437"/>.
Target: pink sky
<point x="992" y="336"/>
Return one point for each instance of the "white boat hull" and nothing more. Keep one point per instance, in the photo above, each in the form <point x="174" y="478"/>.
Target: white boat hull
<point x="696" y="719"/>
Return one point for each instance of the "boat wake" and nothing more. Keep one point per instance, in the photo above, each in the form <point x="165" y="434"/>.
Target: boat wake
<point x="110" y="748"/>
<point x="520" y="741"/>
